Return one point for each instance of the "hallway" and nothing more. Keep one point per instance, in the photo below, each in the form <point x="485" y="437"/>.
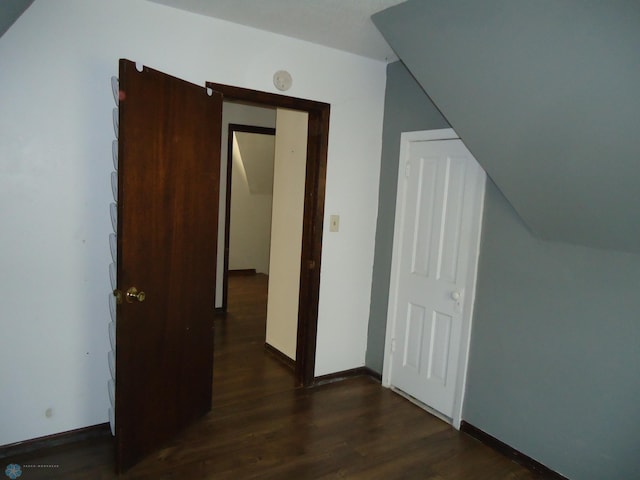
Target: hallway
<point x="241" y="368"/>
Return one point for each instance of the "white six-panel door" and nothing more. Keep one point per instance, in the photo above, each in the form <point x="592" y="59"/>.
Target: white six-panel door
<point x="436" y="238"/>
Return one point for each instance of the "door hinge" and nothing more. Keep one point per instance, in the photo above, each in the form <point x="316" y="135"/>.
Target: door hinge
<point x="118" y="294"/>
<point x="407" y="169"/>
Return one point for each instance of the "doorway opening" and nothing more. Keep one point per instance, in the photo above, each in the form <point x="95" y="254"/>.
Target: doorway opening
<point x="248" y="197"/>
<point x="312" y="217"/>
<point x="263" y="225"/>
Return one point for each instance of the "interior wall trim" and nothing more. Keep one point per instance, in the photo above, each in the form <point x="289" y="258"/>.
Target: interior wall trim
<point x="281" y="357"/>
<point x="344" y="374"/>
<point x="515" y="455"/>
<point x="63" y="438"/>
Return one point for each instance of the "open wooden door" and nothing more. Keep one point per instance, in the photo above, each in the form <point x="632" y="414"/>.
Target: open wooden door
<point x="168" y="186"/>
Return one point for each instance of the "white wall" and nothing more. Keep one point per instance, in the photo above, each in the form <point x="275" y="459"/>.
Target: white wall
<point x="289" y="171"/>
<point x="251" y="200"/>
<point x="247" y="210"/>
<point x="55" y="162"/>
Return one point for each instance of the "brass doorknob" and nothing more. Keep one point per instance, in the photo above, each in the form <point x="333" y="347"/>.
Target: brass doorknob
<point x="134" y="295"/>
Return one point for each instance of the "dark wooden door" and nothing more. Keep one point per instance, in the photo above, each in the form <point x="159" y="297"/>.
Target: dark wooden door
<point x="168" y="186"/>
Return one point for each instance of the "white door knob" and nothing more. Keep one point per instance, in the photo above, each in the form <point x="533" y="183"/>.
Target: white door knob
<point x="455" y="295"/>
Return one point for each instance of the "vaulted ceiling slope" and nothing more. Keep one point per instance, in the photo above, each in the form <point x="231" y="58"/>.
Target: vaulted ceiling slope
<point x="341" y="24"/>
<point x="546" y="95"/>
<point x="10" y="10"/>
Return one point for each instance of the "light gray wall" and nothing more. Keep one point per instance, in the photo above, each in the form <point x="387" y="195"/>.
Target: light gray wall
<point x="10" y="10"/>
<point x="557" y="83"/>
<point x="407" y="109"/>
<point x="554" y="369"/>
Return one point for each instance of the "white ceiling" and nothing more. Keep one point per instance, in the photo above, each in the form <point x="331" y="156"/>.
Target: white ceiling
<point x="341" y="24"/>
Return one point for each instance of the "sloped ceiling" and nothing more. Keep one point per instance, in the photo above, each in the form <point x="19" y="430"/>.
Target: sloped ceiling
<point x="255" y="152"/>
<point x="341" y="24"/>
<point x="10" y="10"/>
<point x="546" y="95"/>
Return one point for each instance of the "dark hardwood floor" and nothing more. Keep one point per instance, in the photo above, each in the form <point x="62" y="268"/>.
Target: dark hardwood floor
<point x="262" y="427"/>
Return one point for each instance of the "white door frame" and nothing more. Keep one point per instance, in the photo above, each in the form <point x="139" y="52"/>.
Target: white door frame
<point x="405" y="140"/>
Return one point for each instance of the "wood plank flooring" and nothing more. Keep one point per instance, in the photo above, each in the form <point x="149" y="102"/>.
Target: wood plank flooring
<point x="262" y="427"/>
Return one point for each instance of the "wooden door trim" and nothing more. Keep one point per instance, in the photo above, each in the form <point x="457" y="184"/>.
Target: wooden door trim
<point x="233" y="127"/>
<point x="315" y="183"/>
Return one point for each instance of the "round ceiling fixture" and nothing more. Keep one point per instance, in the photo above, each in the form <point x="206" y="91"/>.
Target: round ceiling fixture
<point x="282" y="80"/>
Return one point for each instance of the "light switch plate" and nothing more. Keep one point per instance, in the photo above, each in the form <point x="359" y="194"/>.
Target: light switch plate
<point x="334" y="223"/>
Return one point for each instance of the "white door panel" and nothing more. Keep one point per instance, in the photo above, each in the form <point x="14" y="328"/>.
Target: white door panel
<point x="435" y="250"/>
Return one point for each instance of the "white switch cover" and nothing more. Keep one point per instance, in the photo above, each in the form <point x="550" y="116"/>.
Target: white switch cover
<point x="334" y="223"/>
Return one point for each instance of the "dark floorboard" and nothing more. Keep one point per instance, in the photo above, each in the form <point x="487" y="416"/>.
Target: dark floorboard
<point x="262" y="427"/>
